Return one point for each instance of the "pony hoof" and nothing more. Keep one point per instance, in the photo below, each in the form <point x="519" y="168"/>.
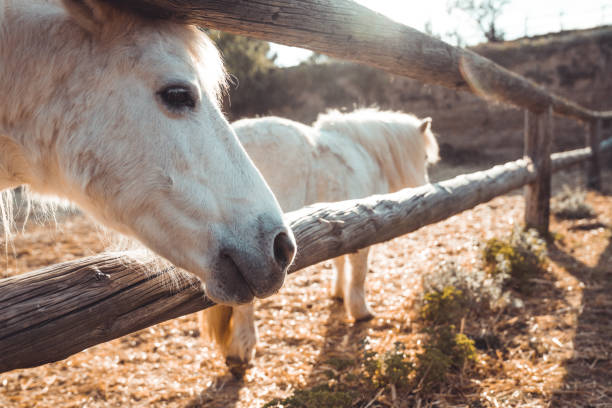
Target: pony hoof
<point x="237" y="367"/>
<point x="365" y="318"/>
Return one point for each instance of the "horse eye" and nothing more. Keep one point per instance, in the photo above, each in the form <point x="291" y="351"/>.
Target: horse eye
<point x="177" y="98"/>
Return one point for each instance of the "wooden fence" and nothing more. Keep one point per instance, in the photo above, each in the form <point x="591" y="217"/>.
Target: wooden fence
<point x="50" y="314"/>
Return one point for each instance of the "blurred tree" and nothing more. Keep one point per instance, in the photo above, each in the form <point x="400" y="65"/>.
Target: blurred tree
<point x="248" y="61"/>
<point x="244" y="57"/>
<point x="456" y="37"/>
<point x="428" y="29"/>
<point x="485" y="13"/>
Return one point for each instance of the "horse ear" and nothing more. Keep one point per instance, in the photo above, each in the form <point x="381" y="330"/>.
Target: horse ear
<point x="89" y="14"/>
<point x="425" y="125"/>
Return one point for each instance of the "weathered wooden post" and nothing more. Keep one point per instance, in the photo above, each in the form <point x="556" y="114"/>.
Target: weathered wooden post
<point x="593" y="165"/>
<point x="538" y="146"/>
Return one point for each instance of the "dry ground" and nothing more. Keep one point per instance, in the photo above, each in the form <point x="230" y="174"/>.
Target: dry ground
<point x="554" y="351"/>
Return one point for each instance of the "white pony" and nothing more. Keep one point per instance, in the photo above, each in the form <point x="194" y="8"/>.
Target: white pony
<point x="119" y="114"/>
<point x="343" y="156"/>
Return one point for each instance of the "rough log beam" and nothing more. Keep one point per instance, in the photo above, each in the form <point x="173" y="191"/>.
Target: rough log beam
<point x="605" y="145"/>
<point x="52" y="313"/>
<point x="567" y="159"/>
<point x="347" y="30"/>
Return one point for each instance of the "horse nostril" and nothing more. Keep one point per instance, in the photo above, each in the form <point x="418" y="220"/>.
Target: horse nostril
<point x="284" y="250"/>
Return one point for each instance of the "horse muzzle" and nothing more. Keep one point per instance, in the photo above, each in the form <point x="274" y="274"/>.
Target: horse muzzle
<point x="242" y="272"/>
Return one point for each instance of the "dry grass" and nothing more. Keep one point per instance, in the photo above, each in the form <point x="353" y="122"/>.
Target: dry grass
<point x="571" y="204"/>
<point x="553" y="350"/>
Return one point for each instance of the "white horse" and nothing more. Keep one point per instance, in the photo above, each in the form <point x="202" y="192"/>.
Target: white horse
<point x="119" y="115"/>
<point x="342" y="157"/>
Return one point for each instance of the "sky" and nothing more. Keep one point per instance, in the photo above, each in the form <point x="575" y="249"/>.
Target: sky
<point x="519" y="18"/>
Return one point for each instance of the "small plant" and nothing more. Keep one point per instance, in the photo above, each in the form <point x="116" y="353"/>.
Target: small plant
<point x="375" y="373"/>
<point x="451" y="294"/>
<point x="464" y="350"/>
<point x="445" y="351"/>
<point x="433" y="366"/>
<point x="479" y="289"/>
<point x="443" y="307"/>
<point x="390" y="368"/>
<point x="571" y="204"/>
<point x="517" y="259"/>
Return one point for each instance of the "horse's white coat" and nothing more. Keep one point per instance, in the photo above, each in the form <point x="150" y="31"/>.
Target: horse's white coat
<point x="343" y="156"/>
<point x="81" y="117"/>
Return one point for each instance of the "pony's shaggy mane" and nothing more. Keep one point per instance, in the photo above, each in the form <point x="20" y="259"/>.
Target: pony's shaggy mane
<point x="367" y="126"/>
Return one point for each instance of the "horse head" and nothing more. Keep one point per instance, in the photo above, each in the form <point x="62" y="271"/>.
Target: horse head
<point x="119" y="114"/>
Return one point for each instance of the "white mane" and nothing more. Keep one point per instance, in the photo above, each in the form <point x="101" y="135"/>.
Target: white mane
<point x="401" y="135"/>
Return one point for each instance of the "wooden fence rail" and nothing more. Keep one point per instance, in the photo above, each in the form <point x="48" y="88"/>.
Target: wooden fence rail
<point x="346" y="30"/>
<point x="50" y="314"/>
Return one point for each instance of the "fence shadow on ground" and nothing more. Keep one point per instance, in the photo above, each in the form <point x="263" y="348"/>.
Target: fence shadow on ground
<point x="587" y="382"/>
<point x="223" y="392"/>
<point x="342" y="340"/>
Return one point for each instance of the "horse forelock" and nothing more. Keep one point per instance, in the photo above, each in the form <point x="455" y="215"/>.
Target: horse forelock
<point x="207" y="59"/>
<point x="202" y="53"/>
<point x="393" y="139"/>
<point x="123" y="38"/>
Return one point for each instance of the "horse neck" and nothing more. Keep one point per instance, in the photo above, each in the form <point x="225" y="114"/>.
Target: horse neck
<point x="34" y="63"/>
<point x="398" y="150"/>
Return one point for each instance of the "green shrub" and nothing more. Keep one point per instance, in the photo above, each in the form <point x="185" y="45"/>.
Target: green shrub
<point x="444" y="352"/>
<point x="480" y="290"/>
<point x="517" y="259"/>
<point x="451" y="295"/>
<point x="433" y="366"/>
<point x="442" y="307"/>
<point x="391" y="368"/>
<point x="464" y="350"/>
<point x="571" y="204"/>
<point x="376" y="371"/>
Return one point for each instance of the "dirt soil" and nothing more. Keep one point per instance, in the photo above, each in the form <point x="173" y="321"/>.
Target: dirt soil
<point x="555" y="350"/>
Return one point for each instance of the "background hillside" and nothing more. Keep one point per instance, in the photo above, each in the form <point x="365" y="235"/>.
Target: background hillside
<point x="575" y="64"/>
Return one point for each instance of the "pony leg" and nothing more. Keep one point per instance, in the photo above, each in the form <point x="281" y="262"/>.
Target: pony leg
<point x="339" y="281"/>
<point x="240" y="347"/>
<point x="355" y="301"/>
<point x="233" y="329"/>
